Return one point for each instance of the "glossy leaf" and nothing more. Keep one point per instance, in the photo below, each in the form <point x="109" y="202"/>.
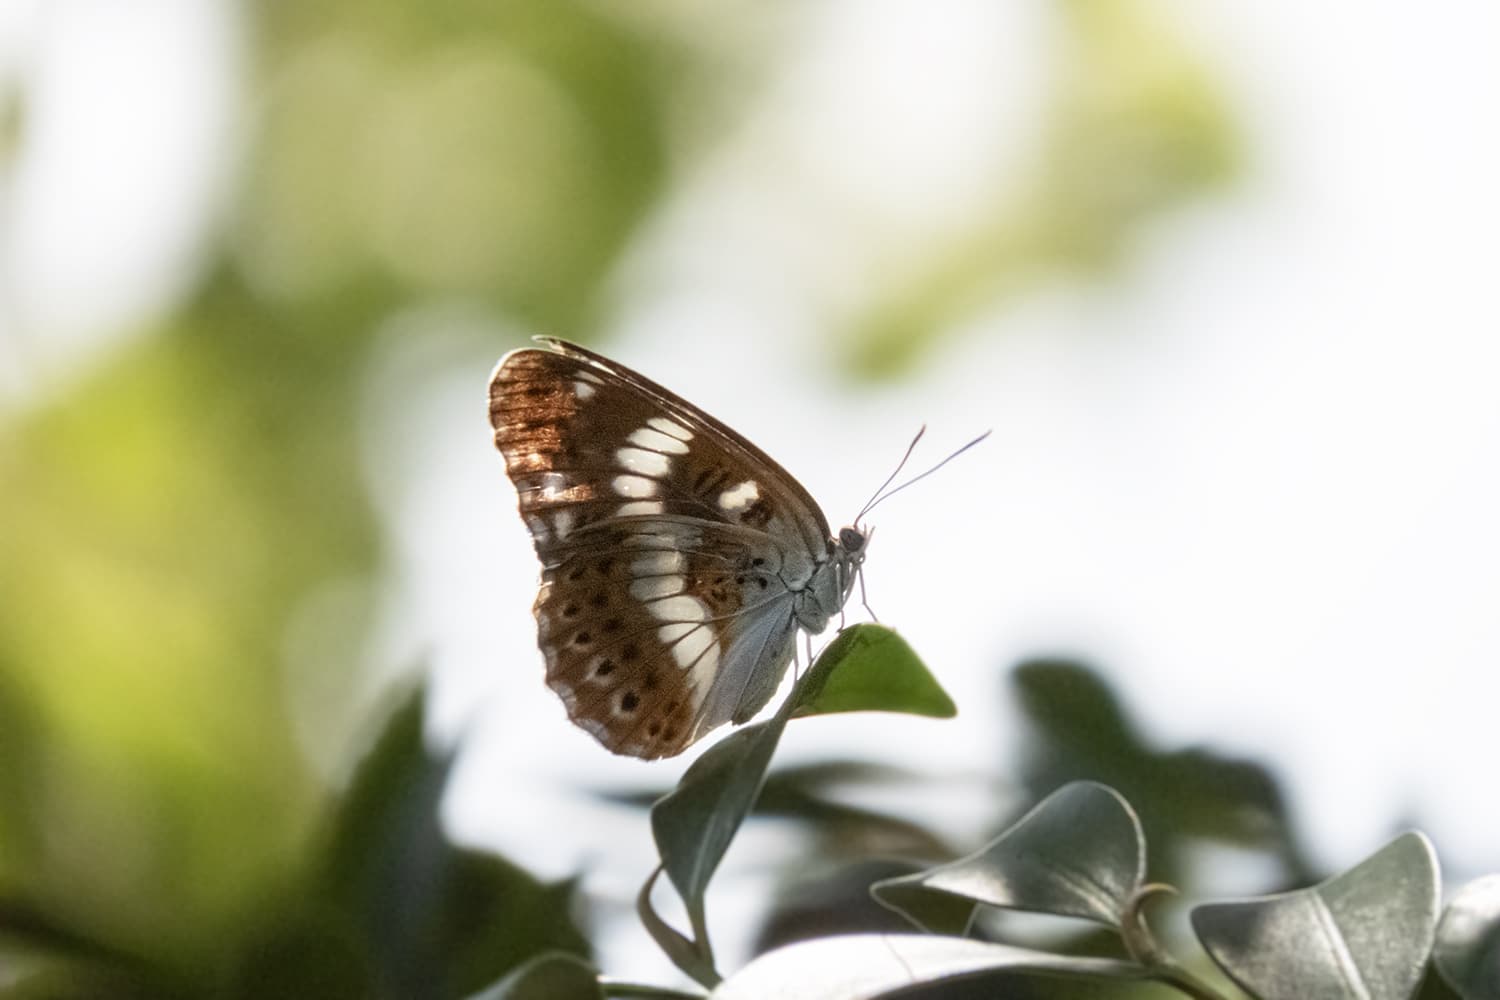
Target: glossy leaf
<point x="1079" y="853"/>
<point x="1468" y="940"/>
<point x="860" y="966"/>
<point x="869" y="668"/>
<point x="1364" y="934"/>
<point x="547" y="977"/>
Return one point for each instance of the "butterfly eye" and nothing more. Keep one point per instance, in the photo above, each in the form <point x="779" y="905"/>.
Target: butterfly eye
<point x="852" y="539"/>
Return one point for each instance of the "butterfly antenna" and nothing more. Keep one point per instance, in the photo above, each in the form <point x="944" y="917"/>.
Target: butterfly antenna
<point x="875" y="497"/>
<point x="883" y="497"/>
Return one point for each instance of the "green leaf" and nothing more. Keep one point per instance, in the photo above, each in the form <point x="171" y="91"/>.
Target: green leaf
<point x="1079" y="853"/>
<point x="1363" y="934"/>
<point x="859" y="966"/>
<point x="695" y="822"/>
<point x="553" y="976"/>
<point x="694" y="959"/>
<point x="869" y="668"/>
<point x="433" y="918"/>
<point x="1468" y="940"/>
<point x="302" y="949"/>
<point x="394" y="789"/>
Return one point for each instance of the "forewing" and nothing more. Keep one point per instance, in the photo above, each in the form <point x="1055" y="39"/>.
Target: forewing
<point x="585" y="438"/>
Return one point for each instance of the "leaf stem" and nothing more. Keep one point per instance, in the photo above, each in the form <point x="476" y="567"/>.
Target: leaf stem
<point x="1144" y="948"/>
<point x="1139" y="941"/>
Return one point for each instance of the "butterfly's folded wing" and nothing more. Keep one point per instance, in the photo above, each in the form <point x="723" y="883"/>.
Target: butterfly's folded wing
<point x="666" y="542"/>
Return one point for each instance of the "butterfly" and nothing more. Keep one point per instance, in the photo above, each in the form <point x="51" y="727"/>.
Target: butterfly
<point x="679" y="561"/>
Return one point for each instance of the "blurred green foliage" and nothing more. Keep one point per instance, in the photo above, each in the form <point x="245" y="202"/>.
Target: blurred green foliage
<point x="145" y="588"/>
<point x="417" y="915"/>
<point x="1077" y="730"/>
<point x="167" y="519"/>
<point x="500" y="151"/>
<point x="1136" y="126"/>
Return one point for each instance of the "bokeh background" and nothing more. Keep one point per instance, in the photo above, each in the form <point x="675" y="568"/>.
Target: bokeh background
<point x="1220" y="277"/>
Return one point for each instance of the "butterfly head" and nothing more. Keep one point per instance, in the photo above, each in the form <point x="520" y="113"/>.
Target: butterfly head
<point x="852" y="542"/>
<point x="849" y="552"/>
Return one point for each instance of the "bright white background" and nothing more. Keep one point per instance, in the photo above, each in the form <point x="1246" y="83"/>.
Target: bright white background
<point x="1254" y="477"/>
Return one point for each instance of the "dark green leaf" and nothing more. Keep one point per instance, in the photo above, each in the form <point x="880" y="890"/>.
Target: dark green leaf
<point x="434" y="919"/>
<point x="547" y="977"/>
<point x="684" y="952"/>
<point x="860" y="966"/>
<point x="695" y="823"/>
<point x="1079" y="853"/>
<point x="1364" y="934"/>
<point x="869" y="668"/>
<point x="396" y="785"/>
<point x="1468" y="940"/>
<point x="827" y="896"/>
<point x="311" y="951"/>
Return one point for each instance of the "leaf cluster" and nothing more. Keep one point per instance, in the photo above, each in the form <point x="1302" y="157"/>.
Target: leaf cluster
<point x="1371" y="932"/>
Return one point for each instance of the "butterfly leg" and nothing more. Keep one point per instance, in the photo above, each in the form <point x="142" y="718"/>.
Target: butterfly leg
<point x="864" y="598"/>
